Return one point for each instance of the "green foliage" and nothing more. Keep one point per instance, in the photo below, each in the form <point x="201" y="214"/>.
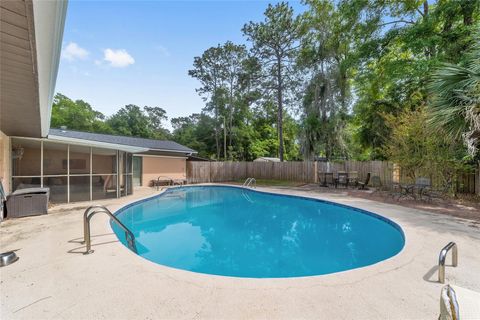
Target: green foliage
<point x="130" y="120"/>
<point x="394" y="59"/>
<point x="419" y="153"/>
<point x="196" y="132"/>
<point x="77" y="115"/>
<point x="455" y="106"/>
<point x="275" y="44"/>
<point x="226" y="73"/>
<point x="351" y="79"/>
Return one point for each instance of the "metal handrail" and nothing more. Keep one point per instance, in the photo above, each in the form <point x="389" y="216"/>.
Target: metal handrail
<point x="89" y="213"/>
<point x="452" y="296"/>
<point x="249" y="182"/>
<point x="167" y="178"/>
<point x="246" y="181"/>
<point x="443" y="256"/>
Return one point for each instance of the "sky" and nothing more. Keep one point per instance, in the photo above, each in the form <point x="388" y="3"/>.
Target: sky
<point x="116" y="53"/>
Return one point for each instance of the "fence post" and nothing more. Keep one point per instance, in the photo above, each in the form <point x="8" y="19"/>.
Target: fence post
<point x="477" y="179"/>
<point x="210" y="171"/>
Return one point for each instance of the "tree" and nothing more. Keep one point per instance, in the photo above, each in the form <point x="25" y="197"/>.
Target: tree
<point x="131" y="121"/>
<point x="76" y="115"/>
<point x="421" y="154"/>
<point x="156" y="117"/>
<point x="326" y="97"/>
<point x="275" y="43"/>
<point x="208" y="70"/>
<point x="455" y="104"/>
<point x="235" y="79"/>
<point x="396" y="46"/>
<point x="225" y="74"/>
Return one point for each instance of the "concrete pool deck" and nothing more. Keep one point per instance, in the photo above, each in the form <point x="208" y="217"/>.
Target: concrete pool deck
<point x="54" y="280"/>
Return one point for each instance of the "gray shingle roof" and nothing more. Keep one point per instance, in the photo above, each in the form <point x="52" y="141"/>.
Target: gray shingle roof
<point x="152" y="144"/>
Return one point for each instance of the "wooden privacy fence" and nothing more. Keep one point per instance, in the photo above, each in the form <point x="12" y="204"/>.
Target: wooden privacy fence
<point x="307" y="172"/>
<point x="201" y="172"/>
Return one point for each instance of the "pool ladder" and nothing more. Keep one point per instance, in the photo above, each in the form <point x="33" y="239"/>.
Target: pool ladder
<point x="250" y="183"/>
<point x="89" y="213"/>
<point x="443" y="256"/>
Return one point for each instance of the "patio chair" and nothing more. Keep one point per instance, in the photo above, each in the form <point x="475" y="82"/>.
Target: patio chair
<point x="108" y="185"/>
<point x="326" y="179"/>
<point x="423" y="186"/>
<point x="353" y="178"/>
<point x="440" y="193"/>
<point x="342" y="179"/>
<point x="363" y="185"/>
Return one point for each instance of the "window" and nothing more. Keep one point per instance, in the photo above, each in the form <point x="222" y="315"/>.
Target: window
<point x="26" y="157"/>
<point x="72" y="172"/>
<point x="54" y="156"/>
<point x="104" y="177"/>
<point x="80" y="180"/>
<point x="58" y="188"/>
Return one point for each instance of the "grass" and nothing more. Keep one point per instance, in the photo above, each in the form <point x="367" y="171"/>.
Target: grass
<point x="274" y="183"/>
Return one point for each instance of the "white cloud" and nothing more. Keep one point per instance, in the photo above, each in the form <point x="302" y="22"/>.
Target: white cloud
<point x="73" y="51"/>
<point x="118" y="58"/>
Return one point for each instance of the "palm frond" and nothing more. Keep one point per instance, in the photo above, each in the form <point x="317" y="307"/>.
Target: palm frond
<point x="455" y="105"/>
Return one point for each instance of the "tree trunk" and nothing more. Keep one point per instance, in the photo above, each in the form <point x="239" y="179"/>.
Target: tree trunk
<point x="230" y="120"/>
<point x="217" y="142"/>
<point x="425" y="8"/>
<point x="280" y="110"/>
<point x="468" y="7"/>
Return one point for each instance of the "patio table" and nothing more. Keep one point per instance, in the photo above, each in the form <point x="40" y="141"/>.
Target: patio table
<point x="406" y="190"/>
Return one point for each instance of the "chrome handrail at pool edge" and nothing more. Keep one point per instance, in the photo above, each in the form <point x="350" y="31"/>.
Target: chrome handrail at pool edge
<point x="443" y="256"/>
<point x="248" y="183"/>
<point x="89" y="213"/>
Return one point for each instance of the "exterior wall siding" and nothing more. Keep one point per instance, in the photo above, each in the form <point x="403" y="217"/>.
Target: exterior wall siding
<point x="5" y="163"/>
<point x="153" y="167"/>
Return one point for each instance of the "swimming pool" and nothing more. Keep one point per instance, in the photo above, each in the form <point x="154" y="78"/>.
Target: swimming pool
<point x="239" y="232"/>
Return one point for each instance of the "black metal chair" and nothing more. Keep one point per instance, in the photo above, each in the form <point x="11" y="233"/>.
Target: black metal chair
<point x="326" y="179"/>
<point x="342" y="179"/>
<point x="363" y="185"/>
<point x="424" y="188"/>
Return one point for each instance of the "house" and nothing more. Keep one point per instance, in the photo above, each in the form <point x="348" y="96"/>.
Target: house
<point x="31" y="39"/>
<point x="76" y="166"/>
<point x="266" y="159"/>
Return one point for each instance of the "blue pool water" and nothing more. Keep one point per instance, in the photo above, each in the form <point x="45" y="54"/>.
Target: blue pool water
<point x="244" y="233"/>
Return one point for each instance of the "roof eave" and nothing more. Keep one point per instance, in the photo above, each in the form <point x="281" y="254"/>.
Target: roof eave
<point x="91" y="143"/>
<point x="49" y="22"/>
